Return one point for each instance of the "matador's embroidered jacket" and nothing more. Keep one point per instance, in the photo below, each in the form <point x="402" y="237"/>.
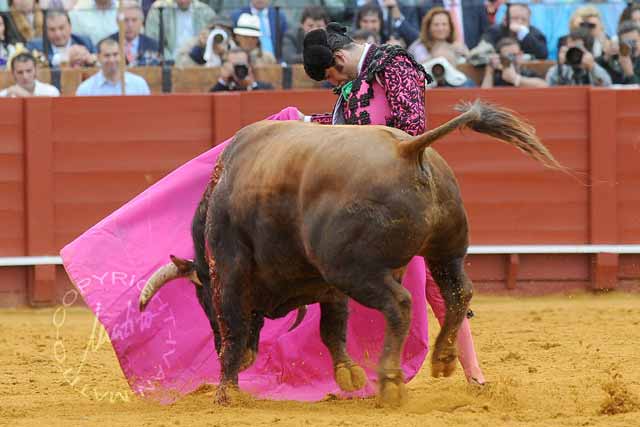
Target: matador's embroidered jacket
<point x="389" y="90"/>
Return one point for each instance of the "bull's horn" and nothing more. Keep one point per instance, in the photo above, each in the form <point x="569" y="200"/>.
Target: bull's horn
<point x="162" y="275"/>
<point x="302" y="311"/>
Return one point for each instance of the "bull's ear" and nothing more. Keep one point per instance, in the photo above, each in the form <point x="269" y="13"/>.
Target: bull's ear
<point x="185" y="266"/>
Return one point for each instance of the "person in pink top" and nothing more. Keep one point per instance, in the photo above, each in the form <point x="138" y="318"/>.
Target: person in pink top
<point x="380" y="85"/>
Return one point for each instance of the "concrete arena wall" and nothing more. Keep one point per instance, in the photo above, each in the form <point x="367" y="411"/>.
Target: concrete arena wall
<point x="66" y="163"/>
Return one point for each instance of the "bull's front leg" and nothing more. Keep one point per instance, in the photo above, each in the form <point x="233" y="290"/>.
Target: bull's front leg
<point x="333" y="331"/>
<point x="456" y="290"/>
<point x="382" y="292"/>
<point x="234" y="322"/>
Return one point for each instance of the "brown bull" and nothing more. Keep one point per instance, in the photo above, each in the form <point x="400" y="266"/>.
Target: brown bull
<point x="301" y="213"/>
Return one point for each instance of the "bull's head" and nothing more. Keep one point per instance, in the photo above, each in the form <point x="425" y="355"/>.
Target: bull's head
<point x="177" y="268"/>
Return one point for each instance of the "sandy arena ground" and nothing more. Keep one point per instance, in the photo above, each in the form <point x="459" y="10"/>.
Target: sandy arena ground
<point x="552" y="361"/>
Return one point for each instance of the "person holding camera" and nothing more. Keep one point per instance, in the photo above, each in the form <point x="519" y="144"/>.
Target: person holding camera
<point x="622" y="59"/>
<point x="237" y="74"/>
<point x="505" y="68"/>
<point x="588" y="18"/>
<point x="442" y="67"/>
<point x="210" y="47"/>
<point x="576" y="64"/>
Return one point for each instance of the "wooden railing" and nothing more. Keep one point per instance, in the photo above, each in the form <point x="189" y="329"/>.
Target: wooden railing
<point x="202" y="79"/>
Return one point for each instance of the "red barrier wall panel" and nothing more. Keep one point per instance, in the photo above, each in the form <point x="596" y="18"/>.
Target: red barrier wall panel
<point x="510" y="198"/>
<point x="12" y="210"/>
<point x="628" y="165"/>
<point x="67" y="163"/>
<point x="107" y="150"/>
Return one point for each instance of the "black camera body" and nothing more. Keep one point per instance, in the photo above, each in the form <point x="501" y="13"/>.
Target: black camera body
<point x="507" y="60"/>
<point x="573" y="57"/>
<point x="240" y="71"/>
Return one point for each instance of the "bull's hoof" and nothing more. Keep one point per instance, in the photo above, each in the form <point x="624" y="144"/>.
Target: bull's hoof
<point x="393" y="393"/>
<point x="248" y="359"/>
<point x="227" y="394"/>
<point x="443" y="366"/>
<point x="350" y="377"/>
<point x="222" y="397"/>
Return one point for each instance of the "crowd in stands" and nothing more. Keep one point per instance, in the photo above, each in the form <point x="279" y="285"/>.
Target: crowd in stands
<point x="440" y="34"/>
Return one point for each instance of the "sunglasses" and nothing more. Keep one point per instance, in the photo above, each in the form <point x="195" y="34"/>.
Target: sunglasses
<point x="588" y="25"/>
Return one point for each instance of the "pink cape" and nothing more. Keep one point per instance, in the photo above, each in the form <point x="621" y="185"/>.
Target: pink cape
<point x="168" y="350"/>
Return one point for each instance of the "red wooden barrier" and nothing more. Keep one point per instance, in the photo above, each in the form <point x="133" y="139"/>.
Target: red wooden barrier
<point x="66" y="163"/>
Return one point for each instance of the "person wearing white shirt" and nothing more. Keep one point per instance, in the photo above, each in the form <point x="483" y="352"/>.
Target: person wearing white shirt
<point x="106" y="82"/>
<point x="23" y="69"/>
<point x="97" y="21"/>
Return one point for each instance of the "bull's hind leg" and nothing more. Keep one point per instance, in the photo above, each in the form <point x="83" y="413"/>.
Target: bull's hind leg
<point x="456" y="290"/>
<point x="387" y="295"/>
<point x="333" y="331"/>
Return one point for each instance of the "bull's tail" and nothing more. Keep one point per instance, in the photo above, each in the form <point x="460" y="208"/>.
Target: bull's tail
<point x="491" y="120"/>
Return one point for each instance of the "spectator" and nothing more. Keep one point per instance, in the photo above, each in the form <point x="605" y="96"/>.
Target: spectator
<point x="437" y="28"/>
<point x="576" y="64"/>
<point x="210" y="47"/>
<point x="369" y="18"/>
<point x="23" y="70"/>
<point x="630" y="13"/>
<point x="588" y="17"/>
<point x="404" y="19"/>
<point x="61" y="4"/>
<point x="363" y="37"/>
<point x="139" y="50"/>
<point x="313" y="18"/>
<point x="492" y="7"/>
<point x="181" y="23"/>
<point x="61" y="39"/>
<point x="622" y="61"/>
<point x="469" y="17"/>
<point x="107" y="80"/>
<point x="7" y="43"/>
<point x="237" y="74"/>
<point x="27" y="19"/>
<point x="442" y="67"/>
<point x="96" y="20"/>
<point x="517" y="25"/>
<point x="248" y="37"/>
<point x="505" y="68"/>
<point x="266" y="23"/>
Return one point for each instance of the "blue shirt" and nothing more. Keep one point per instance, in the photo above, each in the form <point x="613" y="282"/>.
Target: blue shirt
<point x="97" y="85"/>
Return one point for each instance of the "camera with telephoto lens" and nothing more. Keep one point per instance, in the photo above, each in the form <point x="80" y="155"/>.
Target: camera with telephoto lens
<point x="507" y="60"/>
<point x="219" y="36"/>
<point x="573" y="57"/>
<point x="241" y="71"/>
<point x="438" y="72"/>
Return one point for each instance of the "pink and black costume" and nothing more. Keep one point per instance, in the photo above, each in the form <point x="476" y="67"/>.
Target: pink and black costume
<point x="389" y="90"/>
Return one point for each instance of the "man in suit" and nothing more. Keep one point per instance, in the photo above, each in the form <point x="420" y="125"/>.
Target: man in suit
<point x="139" y="49"/>
<point x="61" y="41"/>
<point x="471" y="17"/>
<point x="516" y="25"/>
<point x="181" y="23"/>
<point x="269" y="35"/>
<point x="404" y="19"/>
